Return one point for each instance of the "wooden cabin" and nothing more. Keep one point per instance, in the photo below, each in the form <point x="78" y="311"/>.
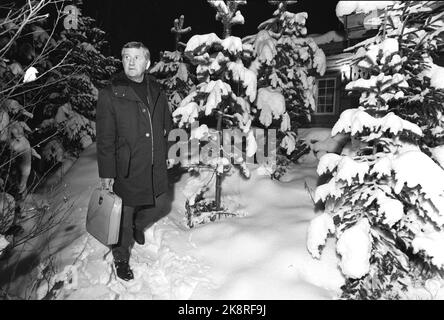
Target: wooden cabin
<point x="331" y="96"/>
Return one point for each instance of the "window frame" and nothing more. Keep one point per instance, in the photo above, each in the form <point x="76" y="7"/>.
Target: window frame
<point x="334" y="78"/>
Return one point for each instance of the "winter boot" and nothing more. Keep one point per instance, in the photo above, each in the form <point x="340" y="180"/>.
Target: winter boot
<point x="123" y="270"/>
<point x="139" y="236"/>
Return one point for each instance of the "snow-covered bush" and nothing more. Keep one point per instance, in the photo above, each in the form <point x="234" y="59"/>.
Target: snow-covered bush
<point x="88" y="68"/>
<point x="43" y="68"/>
<point x="27" y="37"/>
<point x="74" y="92"/>
<point x="225" y="92"/>
<point x="25" y="44"/>
<point x="286" y="61"/>
<point x="49" y="79"/>
<point x="386" y="199"/>
<point x="53" y="151"/>
<point x="173" y="70"/>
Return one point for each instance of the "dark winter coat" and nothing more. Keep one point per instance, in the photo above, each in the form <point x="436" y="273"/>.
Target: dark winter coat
<point x="132" y="140"/>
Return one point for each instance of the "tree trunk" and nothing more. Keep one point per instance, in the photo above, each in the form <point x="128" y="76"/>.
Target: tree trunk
<point x="227" y="30"/>
<point x="219" y="175"/>
<point x="226" y="34"/>
<point x="176" y="41"/>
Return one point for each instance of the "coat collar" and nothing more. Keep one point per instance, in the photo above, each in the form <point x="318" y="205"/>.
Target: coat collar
<point x="121" y="88"/>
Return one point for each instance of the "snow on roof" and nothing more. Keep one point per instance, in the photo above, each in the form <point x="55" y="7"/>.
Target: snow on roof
<point x="344" y="8"/>
<point x="339" y="60"/>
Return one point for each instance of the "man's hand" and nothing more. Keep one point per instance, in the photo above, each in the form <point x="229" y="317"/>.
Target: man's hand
<point x="107" y="183"/>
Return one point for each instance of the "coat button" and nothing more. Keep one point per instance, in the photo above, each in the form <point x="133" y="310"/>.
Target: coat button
<point x="147" y="135"/>
<point x="143" y="110"/>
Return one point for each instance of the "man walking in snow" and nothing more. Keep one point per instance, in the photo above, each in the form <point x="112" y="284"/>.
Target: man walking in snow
<point x="132" y="123"/>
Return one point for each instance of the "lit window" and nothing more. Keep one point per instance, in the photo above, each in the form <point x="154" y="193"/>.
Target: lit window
<point x="325" y="95"/>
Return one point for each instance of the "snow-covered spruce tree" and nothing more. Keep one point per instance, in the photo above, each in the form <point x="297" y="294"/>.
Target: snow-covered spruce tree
<point x="385" y="202"/>
<point x="423" y="105"/>
<point x="173" y="69"/>
<point x="224" y="93"/>
<point x="70" y="106"/>
<point x="286" y="63"/>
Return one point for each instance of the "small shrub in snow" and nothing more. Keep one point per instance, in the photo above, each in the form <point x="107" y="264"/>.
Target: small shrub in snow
<point x="225" y="92"/>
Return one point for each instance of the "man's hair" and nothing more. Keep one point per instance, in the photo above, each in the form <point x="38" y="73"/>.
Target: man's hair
<point x="137" y="45"/>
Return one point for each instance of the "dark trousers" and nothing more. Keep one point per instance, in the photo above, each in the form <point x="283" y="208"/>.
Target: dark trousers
<point x="139" y="217"/>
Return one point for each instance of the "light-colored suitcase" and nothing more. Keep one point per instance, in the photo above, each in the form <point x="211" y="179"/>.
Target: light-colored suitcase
<point x="103" y="217"/>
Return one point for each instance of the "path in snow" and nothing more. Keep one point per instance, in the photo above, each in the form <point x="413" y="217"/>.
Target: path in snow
<point x="264" y="255"/>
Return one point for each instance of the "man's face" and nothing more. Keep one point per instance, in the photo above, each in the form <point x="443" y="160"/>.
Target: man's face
<point x="134" y="62"/>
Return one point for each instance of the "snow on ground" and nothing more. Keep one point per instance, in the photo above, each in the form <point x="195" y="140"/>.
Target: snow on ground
<point x="320" y="142"/>
<point x="261" y="255"/>
<point x="67" y="200"/>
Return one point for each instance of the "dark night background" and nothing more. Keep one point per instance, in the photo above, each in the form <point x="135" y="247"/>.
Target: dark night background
<point x="150" y="21"/>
